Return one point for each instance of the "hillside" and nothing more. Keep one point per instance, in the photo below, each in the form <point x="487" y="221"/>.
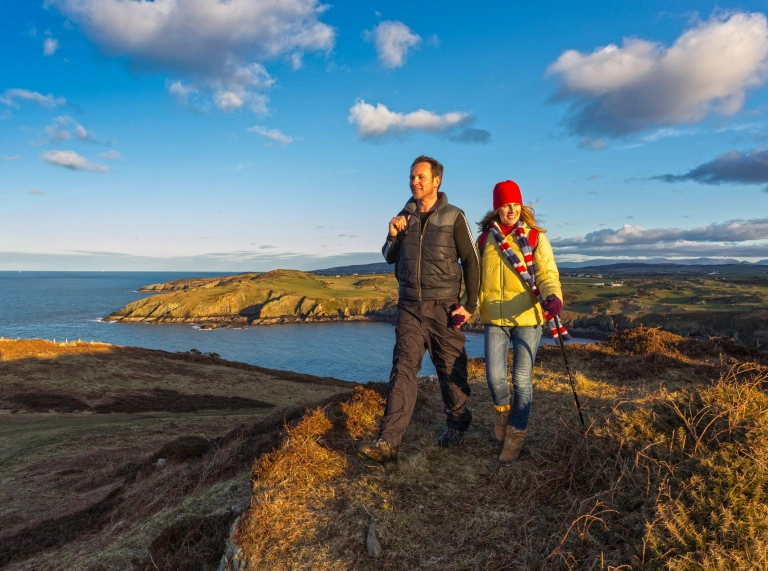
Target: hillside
<point x="117" y="458"/>
<point x="107" y="453"/>
<point x="670" y="473"/>
<point x="279" y="296"/>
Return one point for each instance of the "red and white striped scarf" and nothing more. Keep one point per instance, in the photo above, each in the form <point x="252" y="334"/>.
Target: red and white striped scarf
<point x="526" y="271"/>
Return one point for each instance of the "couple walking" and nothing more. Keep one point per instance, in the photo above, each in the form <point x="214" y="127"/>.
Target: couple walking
<point x="426" y="242"/>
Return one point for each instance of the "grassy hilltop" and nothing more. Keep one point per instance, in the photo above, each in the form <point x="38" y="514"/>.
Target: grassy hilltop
<point x="117" y="458"/>
<point x="279" y="296"/>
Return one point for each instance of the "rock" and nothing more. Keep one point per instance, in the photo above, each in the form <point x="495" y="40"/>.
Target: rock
<point x="372" y="542"/>
<point x="233" y="559"/>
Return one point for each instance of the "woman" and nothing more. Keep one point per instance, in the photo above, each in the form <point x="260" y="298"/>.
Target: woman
<point x="515" y="255"/>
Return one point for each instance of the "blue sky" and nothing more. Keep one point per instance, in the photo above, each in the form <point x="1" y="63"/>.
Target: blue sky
<point x="249" y="135"/>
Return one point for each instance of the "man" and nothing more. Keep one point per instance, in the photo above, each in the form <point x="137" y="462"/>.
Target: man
<point x="425" y="242"/>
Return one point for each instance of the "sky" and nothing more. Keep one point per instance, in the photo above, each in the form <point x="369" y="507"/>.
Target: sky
<point x="247" y="135"/>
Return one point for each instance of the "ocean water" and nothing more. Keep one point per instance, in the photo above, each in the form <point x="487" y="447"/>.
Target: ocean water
<point x="70" y="305"/>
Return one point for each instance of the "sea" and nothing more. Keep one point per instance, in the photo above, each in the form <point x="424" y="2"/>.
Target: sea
<point x="67" y="306"/>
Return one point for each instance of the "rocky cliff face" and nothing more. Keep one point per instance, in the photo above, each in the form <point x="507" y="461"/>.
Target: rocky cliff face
<point x="276" y="297"/>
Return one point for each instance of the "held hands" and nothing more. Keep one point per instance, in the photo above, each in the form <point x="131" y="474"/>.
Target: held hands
<point x="397" y="224"/>
<point x="553" y="305"/>
<point x="459" y="315"/>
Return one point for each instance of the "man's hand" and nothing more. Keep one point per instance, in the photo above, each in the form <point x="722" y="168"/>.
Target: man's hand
<point x="397" y="224"/>
<point x="459" y="315"/>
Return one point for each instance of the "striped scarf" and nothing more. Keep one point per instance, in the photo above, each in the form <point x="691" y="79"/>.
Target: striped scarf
<point x="526" y="271"/>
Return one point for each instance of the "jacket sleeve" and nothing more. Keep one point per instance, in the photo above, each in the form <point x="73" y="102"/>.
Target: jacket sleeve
<point x="391" y="248"/>
<point x="470" y="261"/>
<point x="464" y="297"/>
<point x="547" y="275"/>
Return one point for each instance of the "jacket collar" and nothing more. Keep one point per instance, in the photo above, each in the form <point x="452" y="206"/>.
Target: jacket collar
<point x="442" y="202"/>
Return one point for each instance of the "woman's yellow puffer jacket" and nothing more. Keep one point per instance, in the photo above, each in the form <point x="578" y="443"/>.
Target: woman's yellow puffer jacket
<point x="505" y="298"/>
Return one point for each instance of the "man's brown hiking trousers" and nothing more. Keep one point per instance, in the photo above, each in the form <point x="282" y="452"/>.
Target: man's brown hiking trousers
<point x="426" y="326"/>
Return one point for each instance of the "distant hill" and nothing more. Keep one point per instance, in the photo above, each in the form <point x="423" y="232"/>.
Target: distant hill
<point x="641" y="269"/>
<point x="653" y="261"/>
<point x="651" y="265"/>
<point x="376" y="268"/>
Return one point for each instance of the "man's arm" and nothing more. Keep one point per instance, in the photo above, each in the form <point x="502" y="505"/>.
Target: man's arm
<point x="392" y="246"/>
<point x="470" y="261"/>
<point x="390" y="249"/>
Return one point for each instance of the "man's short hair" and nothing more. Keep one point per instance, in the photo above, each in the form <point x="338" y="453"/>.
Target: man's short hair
<point x="437" y="168"/>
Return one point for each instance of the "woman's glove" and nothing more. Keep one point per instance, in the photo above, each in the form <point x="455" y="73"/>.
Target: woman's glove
<point x="553" y="306"/>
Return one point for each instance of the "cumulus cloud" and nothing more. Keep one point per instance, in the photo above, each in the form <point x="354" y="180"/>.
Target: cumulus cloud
<point x="50" y="45"/>
<point x="392" y="41"/>
<point x="749" y="167"/>
<point x="12" y="97"/>
<point x="377" y="123"/>
<point x="737" y="237"/>
<point x="72" y="161"/>
<point x="217" y="45"/>
<point x="615" y="91"/>
<point x="272" y="134"/>
<point x="110" y="155"/>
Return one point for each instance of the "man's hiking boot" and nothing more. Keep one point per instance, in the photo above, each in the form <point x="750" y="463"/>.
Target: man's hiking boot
<point x="502" y="421"/>
<point x="513" y="444"/>
<point x="379" y="451"/>
<point x="450" y="437"/>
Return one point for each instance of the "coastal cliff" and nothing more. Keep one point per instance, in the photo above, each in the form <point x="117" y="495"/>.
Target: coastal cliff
<point x="692" y="307"/>
<point x="279" y="296"/>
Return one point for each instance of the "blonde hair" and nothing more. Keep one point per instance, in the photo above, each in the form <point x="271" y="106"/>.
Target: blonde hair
<point x="527" y="215"/>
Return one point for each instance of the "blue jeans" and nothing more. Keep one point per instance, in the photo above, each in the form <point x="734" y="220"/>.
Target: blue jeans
<point x="525" y="343"/>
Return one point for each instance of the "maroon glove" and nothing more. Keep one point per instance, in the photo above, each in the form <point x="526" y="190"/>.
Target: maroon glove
<point x="458" y="319"/>
<point x="553" y="305"/>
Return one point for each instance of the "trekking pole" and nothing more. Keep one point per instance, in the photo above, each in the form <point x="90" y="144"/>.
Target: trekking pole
<point x="567" y="368"/>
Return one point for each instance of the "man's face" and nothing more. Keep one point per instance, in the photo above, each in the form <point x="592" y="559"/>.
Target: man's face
<point x="423" y="185"/>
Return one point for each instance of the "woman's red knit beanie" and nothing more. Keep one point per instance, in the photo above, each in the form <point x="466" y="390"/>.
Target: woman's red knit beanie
<point x="506" y="192"/>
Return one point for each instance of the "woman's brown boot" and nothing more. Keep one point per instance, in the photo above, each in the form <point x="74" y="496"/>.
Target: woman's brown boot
<point x="502" y="421"/>
<point x="513" y="443"/>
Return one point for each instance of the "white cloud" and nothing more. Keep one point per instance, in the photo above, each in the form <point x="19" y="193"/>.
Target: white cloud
<point x="379" y="122"/>
<point x="110" y="155"/>
<point x="740" y="238"/>
<point x="13" y="96"/>
<point x="215" y="44"/>
<point x="50" y="45"/>
<point x="273" y="134"/>
<point x="731" y="231"/>
<point x="72" y="161"/>
<point x="619" y="90"/>
<point x="10" y="158"/>
<point x="35" y="192"/>
<point x="65" y="127"/>
<point x="186" y="95"/>
<point x="392" y="41"/>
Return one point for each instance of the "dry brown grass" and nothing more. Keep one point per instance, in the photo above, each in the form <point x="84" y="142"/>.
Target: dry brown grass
<point x="671" y="473"/>
<point x="289" y="484"/>
<point x="363" y="412"/>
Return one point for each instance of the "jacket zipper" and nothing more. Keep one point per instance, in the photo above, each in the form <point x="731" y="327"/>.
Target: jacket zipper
<point x="421" y="239"/>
